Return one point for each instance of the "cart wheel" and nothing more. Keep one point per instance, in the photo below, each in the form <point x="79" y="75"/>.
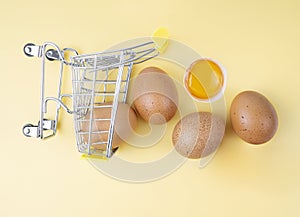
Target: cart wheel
<point x="27" y="49"/>
<point x="26" y="130"/>
<point x="52" y="55"/>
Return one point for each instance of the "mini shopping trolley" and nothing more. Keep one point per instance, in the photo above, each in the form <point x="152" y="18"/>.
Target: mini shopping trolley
<point x="98" y="80"/>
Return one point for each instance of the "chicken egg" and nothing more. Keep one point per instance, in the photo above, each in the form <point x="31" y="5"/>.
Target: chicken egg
<point x="198" y="134"/>
<point x="253" y="117"/>
<point x="125" y="123"/>
<point x="155" y="95"/>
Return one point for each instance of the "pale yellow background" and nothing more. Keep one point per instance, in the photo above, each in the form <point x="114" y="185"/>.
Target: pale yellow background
<point x="257" y="41"/>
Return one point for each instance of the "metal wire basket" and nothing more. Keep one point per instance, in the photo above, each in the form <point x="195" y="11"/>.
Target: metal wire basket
<point x="99" y="80"/>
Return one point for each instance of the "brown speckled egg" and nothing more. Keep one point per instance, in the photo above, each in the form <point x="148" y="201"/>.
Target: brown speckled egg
<point x="125" y="123"/>
<point x="253" y="117"/>
<point x="198" y="134"/>
<point x="154" y="95"/>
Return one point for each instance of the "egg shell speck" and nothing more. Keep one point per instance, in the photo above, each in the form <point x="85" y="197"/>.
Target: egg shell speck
<point x="253" y="117"/>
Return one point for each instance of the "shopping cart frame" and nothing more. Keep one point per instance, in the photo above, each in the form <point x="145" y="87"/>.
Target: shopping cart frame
<point x="93" y="63"/>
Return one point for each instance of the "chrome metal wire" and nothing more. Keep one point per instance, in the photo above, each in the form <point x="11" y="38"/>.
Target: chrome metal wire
<point x="99" y="81"/>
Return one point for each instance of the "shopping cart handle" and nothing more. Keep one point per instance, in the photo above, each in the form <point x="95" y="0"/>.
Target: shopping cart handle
<point x="59" y="102"/>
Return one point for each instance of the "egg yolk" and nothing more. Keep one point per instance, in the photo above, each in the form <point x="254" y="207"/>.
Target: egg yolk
<point x="205" y="79"/>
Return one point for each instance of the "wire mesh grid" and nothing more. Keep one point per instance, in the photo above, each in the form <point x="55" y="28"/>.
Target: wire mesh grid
<point x="100" y="82"/>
